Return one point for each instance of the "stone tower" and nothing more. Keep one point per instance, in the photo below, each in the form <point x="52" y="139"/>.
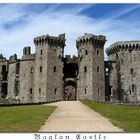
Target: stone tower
<point x="48" y="80"/>
<point x="91" y="84"/>
<point x="124" y="58"/>
<point x="27" y="76"/>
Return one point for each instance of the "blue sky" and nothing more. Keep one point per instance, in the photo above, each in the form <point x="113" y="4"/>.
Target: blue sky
<point x="20" y="23"/>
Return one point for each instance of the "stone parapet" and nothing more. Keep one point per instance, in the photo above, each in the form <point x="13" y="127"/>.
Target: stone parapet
<point x="50" y="40"/>
<point x="123" y="46"/>
<point x="90" y="39"/>
<point x="28" y="57"/>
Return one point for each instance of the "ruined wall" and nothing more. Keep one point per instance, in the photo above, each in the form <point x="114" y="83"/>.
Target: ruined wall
<point x="39" y="77"/>
<point x="91" y="83"/>
<point x="27" y="73"/>
<point x="124" y="75"/>
<point x="13" y="77"/>
<point x="49" y="68"/>
<point x="3" y="77"/>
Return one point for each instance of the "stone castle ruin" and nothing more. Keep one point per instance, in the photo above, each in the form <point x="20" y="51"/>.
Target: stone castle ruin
<point x="48" y="76"/>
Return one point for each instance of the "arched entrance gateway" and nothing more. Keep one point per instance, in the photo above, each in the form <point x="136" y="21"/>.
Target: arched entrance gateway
<point x="70" y="89"/>
<point x="70" y="78"/>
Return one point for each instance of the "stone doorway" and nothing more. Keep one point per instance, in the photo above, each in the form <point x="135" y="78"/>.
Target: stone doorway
<point x="70" y="90"/>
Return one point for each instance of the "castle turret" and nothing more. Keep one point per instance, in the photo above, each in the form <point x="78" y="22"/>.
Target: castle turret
<point x="49" y="68"/>
<point x="124" y="57"/>
<point x="91" y="84"/>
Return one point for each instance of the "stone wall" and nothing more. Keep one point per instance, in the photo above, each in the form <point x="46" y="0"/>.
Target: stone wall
<point x="49" y="68"/>
<point x="13" y="77"/>
<point x="27" y="74"/>
<point x="40" y="77"/>
<point x="91" y="85"/>
<point x="3" y="77"/>
<point x="125" y="72"/>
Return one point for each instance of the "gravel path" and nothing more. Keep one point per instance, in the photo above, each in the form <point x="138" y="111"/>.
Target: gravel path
<point x="73" y="116"/>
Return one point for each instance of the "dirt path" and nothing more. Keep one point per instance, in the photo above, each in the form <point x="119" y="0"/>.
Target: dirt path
<point x="73" y="116"/>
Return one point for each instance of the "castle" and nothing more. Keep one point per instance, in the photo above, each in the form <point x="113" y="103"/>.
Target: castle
<point x="48" y="76"/>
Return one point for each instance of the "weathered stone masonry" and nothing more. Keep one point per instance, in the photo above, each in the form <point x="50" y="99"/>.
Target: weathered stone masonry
<point x="3" y="76"/>
<point x="36" y="77"/>
<point x="47" y="76"/>
<point x="124" y="58"/>
<point x="91" y="82"/>
<point x="49" y="68"/>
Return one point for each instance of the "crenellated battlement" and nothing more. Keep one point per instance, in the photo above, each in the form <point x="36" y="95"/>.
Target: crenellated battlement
<point x="90" y="39"/>
<point x="123" y="46"/>
<point x="50" y="40"/>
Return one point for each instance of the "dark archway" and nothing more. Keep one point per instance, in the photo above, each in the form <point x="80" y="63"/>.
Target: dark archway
<point x="4" y="90"/>
<point x="70" y="75"/>
<point x="70" y="89"/>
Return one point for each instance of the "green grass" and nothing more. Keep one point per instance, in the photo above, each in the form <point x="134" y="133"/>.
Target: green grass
<point x="24" y="118"/>
<point x="125" y="117"/>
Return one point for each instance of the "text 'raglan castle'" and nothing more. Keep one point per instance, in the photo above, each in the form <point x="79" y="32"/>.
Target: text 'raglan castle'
<point x="48" y="76"/>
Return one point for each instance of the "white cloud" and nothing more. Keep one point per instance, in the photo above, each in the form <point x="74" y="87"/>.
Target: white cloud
<point x="54" y="22"/>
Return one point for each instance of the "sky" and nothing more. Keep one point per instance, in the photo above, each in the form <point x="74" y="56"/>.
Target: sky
<point x="20" y="23"/>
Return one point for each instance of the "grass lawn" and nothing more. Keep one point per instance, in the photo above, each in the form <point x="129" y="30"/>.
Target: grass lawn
<point x="125" y="117"/>
<point x="24" y="118"/>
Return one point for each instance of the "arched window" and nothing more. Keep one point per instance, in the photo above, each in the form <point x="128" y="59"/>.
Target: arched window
<point x="54" y="69"/>
<point x="39" y="90"/>
<point x="131" y="71"/>
<point x="85" y="69"/>
<point x="86" y="52"/>
<point x="40" y="68"/>
<point x="41" y="52"/>
<point x="32" y="69"/>
<point x="98" y="69"/>
<point x="85" y="91"/>
<point x="31" y="91"/>
<point x="55" y="91"/>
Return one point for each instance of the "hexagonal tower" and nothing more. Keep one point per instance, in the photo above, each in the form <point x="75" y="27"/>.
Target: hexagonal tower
<point x="49" y="68"/>
<point x="124" y="57"/>
<point x="91" y="84"/>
